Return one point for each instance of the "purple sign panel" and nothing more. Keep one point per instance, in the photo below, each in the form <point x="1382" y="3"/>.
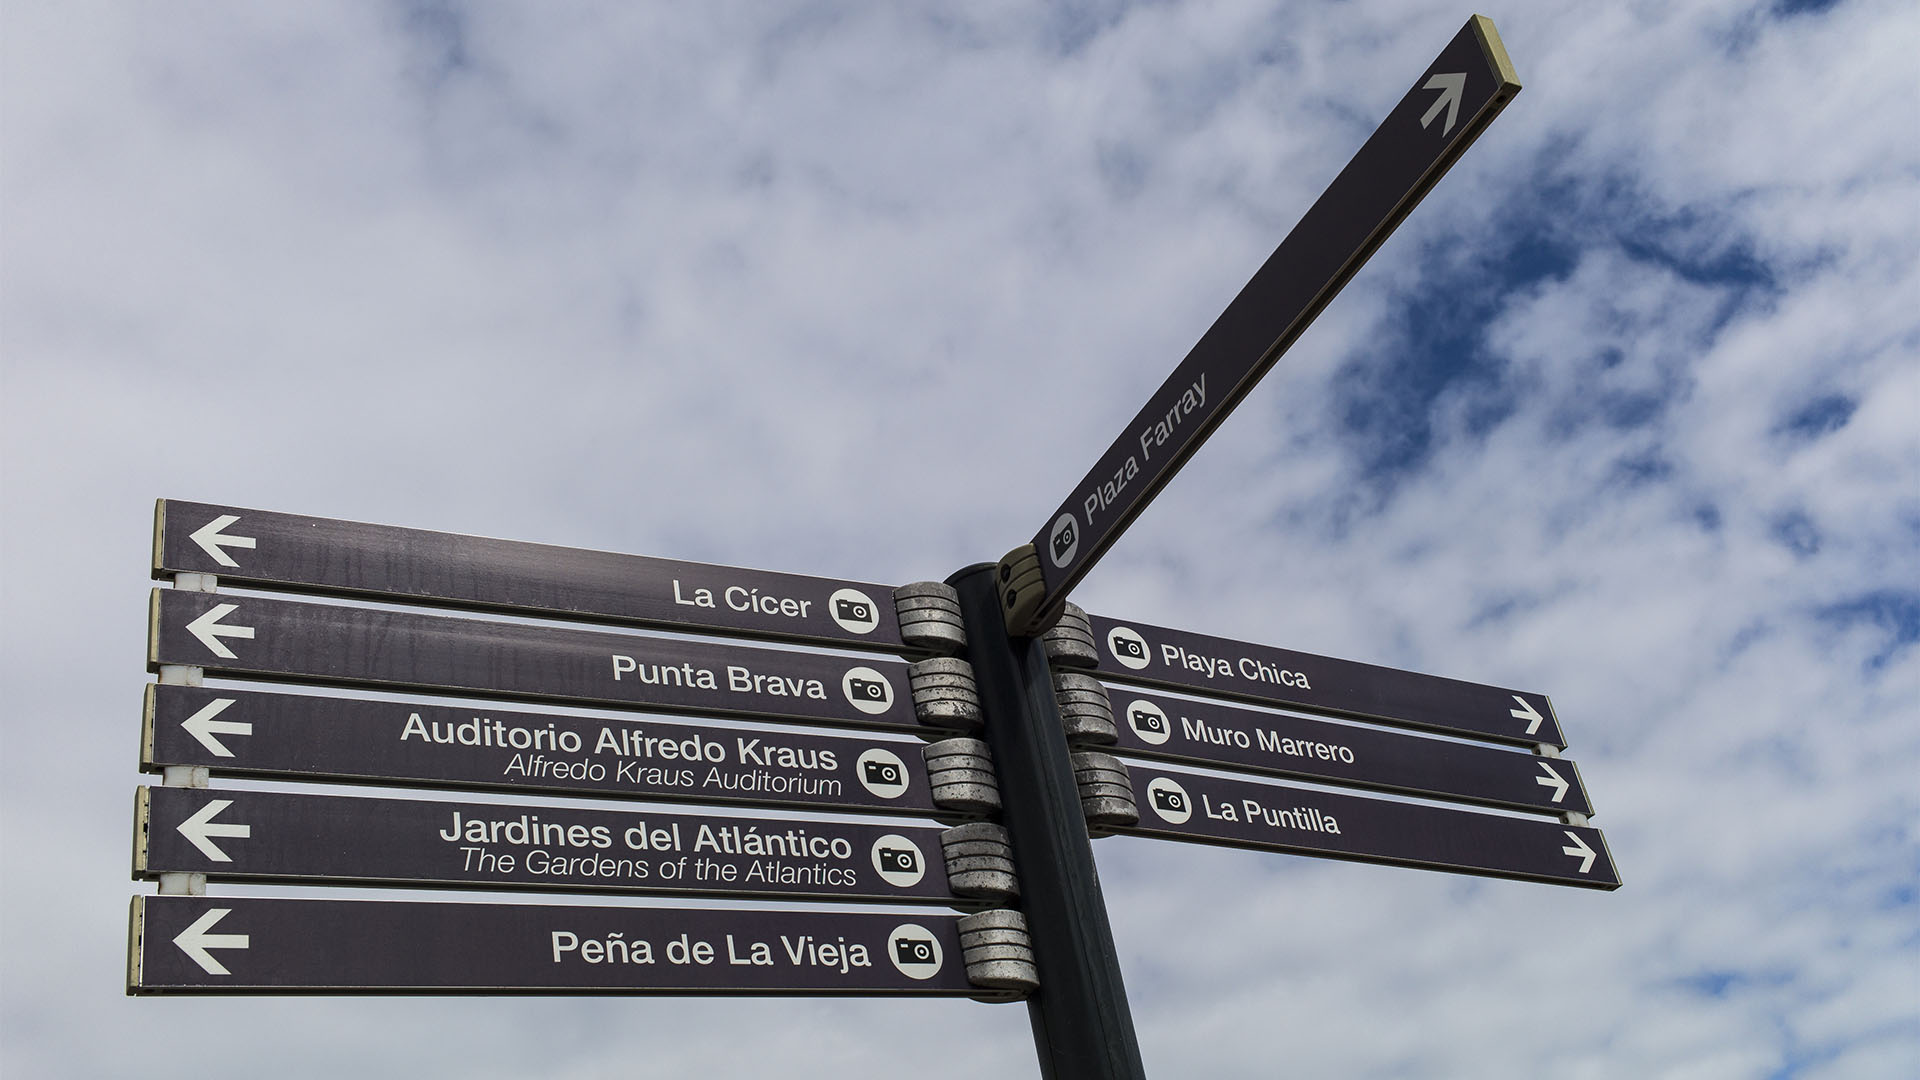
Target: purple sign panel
<point x="254" y="637"/>
<point x="311" y="554"/>
<point x="332" y="839"/>
<point x="1445" y="110"/>
<point x="309" y="737"/>
<point x="1254" y="740"/>
<point x="212" y="945"/>
<point x="1155" y="655"/>
<point x="1299" y="821"/>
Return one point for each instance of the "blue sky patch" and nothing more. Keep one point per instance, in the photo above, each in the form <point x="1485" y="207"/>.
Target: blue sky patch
<point x="1894" y="611"/>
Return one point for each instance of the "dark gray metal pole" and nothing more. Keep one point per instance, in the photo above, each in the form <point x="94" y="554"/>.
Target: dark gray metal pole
<point x="1081" y="1024"/>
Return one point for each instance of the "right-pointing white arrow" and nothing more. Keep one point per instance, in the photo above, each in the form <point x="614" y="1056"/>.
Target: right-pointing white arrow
<point x="1579" y="850"/>
<point x="1452" y="88"/>
<point x="1525" y="712"/>
<point x="200" y="827"/>
<point x="195" y="941"/>
<point x="1557" y="782"/>
<point x="203" y="726"/>
<point x="214" y="542"/>
<point x="208" y="629"/>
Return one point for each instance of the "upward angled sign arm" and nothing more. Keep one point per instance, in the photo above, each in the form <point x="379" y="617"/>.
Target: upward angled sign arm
<point x="1444" y="112"/>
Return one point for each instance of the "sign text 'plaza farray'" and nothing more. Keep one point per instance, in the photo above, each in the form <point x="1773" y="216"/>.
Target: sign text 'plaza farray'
<point x="1447" y="108"/>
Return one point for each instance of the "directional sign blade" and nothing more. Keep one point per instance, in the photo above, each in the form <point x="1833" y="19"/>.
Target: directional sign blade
<point x="309" y="554"/>
<point x="202" y="945"/>
<point x="1300" y="821"/>
<point x="404" y="650"/>
<point x="310" y="737"/>
<point x="1158" y="656"/>
<point x="1228" y="737"/>
<point x="340" y="840"/>
<point x="1393" y="170"/>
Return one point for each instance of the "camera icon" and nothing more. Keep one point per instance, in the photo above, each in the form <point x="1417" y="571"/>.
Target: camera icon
<point x="914" y="951"/>
<point x="1148" y="721"/>
<point x="1169" y="800"/>
<point x="1063" y="541"/>
<point x="867" y="690"/>
<point x="854" y="610"/>
<point x="899" y="861"/>
<point x="882" y="773"/>
<point x="1128" y="647"/>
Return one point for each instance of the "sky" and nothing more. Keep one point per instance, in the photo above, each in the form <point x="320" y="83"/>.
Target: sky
<point x="1627" y="412"/>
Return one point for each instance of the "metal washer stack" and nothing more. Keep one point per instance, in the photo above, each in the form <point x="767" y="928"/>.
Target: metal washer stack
<point x="1086" y="714"/>
<point x="929" y="613"/>
<point x="960" y="774"/>
<point x="1106" y="790"/>
<point x="1070" y="643"/>
<point x="944" y="694"/>
<point x="998" y="951"/>
<point x="980" y="861"/>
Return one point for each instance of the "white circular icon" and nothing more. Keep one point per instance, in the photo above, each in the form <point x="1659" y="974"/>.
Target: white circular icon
<point x="868" y="690"/>
<point x="1128" y="647"/>
<point x="882" y="773"/>
<point x="899" y="861"/>
<point x="854" y="610"/>
<point x="914" y="950"/>
<point x="1149" y="721"/>
<point x="1169" y="800"/>
<point x="1063" y="542"/>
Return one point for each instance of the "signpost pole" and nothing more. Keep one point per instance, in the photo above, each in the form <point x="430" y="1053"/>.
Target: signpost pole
<point x="1082" y="1027"/>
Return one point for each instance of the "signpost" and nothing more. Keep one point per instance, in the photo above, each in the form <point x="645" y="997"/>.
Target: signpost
<point x="1136" y="652"/>
<point x="310" y="737"/>
<point x="338" y="840"/>
<point x="1224" y="736"/>
<point x="1023" y="766"/>
<point x="1446" y="109"/>
<point x="212" y="945"/>
<point x="350" y="558"/>
<point x="401" y="650"/>
<point x="1300" y="821"/>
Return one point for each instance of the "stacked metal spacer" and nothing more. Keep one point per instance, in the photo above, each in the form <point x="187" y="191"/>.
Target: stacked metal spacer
<point x="1070" y="642"/>
<point x="998" y="952"/>
<point x="980" y="861"/>
<point x="929" y="613"/>
<point x="960" y="774"/>
<point x="944" y="694"/>
<point x="1086" y="714"/>
<point x="1106" y="790"/>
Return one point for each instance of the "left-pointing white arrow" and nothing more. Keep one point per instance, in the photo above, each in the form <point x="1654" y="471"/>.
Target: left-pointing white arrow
<point x="208" y="629"/>
<point x="1553" y="780"/>
<point x="1452" y="88"/>
<point x="215" y="543"/>
<point x="195" y="941"/>
<point x="1526" y="711"/>
<point x="203" y="726"/>
<point x="200" y="828"/>
<point x="1579" y="850"/>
